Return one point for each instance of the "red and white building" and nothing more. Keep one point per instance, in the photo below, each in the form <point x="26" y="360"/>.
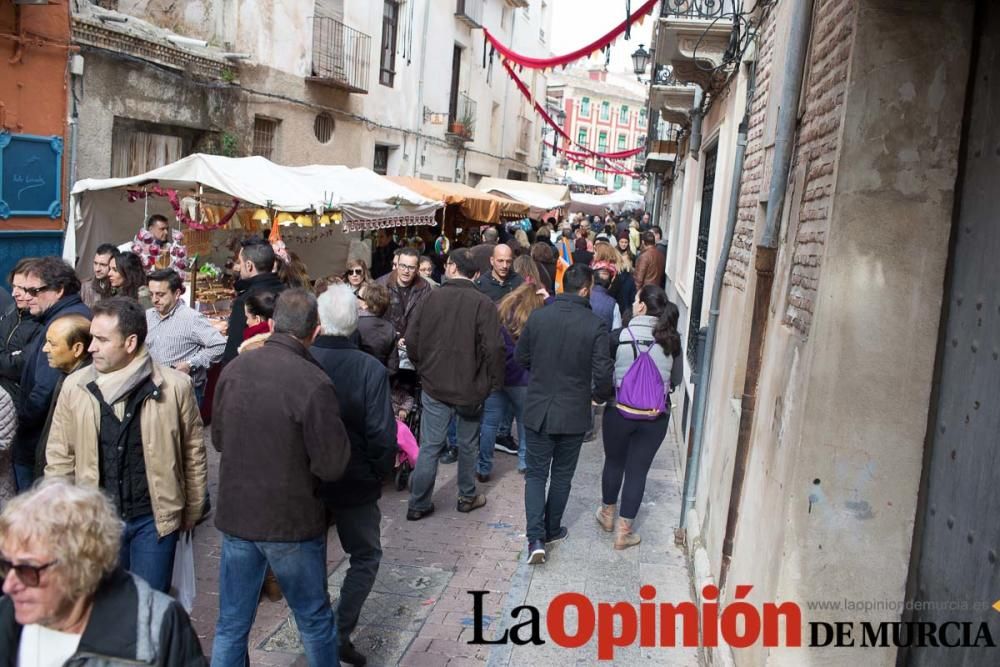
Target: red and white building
<point x="604" y="111"/>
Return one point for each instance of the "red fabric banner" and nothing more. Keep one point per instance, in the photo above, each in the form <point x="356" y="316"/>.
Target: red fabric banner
<point x="548" y="119"/>
<point x="583" y="52"/>
<point x="620" y="155"/>
<point x="607" y="170"/>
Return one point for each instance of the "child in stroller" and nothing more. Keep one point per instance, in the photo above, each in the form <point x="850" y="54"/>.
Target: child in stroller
<point x="406" y="407"/>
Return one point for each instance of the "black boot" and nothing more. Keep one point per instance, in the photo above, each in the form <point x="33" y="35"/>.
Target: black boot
<point x="351" y="655"/>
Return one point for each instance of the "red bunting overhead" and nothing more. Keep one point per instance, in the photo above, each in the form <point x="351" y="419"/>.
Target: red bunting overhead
<point x="548" y="119"/>
<point x="620" y="155"/>
<point x="583" y="52"/>
<point x="607" y="170"/>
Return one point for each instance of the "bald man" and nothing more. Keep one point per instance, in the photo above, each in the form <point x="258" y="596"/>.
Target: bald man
<point x="67" y="345"/>
<point x="502" y="279"/>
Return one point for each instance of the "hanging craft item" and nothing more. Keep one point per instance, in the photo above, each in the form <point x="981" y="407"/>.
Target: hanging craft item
<point x="162" y="255"/>
<point x="190" y="203"/>
<point x="583" y="52"/>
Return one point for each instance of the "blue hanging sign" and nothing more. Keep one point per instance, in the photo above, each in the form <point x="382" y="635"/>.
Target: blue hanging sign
<point x="30" y="175"/>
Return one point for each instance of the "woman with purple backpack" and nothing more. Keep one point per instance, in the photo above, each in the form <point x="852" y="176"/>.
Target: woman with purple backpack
<point x="648" y="363"/>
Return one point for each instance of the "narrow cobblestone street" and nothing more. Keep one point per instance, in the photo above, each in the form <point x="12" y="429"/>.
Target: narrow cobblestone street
<point x="420" y="612"/>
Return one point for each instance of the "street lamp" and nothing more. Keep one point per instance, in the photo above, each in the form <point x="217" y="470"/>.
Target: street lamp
<point x="640" y="60"/>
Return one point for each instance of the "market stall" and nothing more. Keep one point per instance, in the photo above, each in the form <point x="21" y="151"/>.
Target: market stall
<point x="615" y="202"/>
<point x="213" y="202"/>
<point x="466" y="203"/>
<point x="545" y="199"/>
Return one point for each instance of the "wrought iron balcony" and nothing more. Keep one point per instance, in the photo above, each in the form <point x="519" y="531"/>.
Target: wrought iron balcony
<point x="696" y="40"/>
<point x="462" y="119"/>
<point x="341" y="55"/>
<point x="471" y="12"/>
<point x="698" y="9"/>
<point x="661" y="147"/>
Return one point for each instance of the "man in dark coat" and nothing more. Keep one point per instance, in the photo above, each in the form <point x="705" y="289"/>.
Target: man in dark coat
<point x="565" y="346"/>
<point x="17" y="330"/>
<point x="383" y="252"/>
<point x="483" y="252"/>
<point x="651" y="263"/>
<point x="52" y="290"/>
<point x="256" y="263"/>
<point x="277" y="422"/>
<point x="501" y="279"/>
<point x="407" y="290"/>
<point x="456" y="346"/>
<point x="362" y="386"/>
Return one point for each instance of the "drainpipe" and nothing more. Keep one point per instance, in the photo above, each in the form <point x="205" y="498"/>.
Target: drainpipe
<point x="767" y="251"/>
<point x="704" y="369"/>
<point x="420" y="90"/>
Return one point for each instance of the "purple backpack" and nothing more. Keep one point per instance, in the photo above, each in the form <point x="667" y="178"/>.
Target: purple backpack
<point x="642" y="393"/>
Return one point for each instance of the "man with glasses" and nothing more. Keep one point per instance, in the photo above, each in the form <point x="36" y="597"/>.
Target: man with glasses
<point x="17" y="330"/>
<point x="51" y="290"/>
<point x="407" y="291"/>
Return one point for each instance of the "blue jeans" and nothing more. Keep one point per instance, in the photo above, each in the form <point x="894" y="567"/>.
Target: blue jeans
<point x="145" y="554"/>
<point x="301" y="571"/>
<point x="558" y="453"/>
<point x="433" y="434"/>
<point x="452" y="433"/>
<point x="499" y="405"/>
<point x="24" y="476"/>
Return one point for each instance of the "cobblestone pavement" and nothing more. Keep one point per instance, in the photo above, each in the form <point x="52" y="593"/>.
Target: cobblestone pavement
<point x="420" y="612"/>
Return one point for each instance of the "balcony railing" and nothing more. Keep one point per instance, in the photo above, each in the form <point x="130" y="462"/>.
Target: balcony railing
<point x="471" y="12"/>
<point x="341" y="55"/>
<point x="462" y="121"/>
<point x="698" y="9"/>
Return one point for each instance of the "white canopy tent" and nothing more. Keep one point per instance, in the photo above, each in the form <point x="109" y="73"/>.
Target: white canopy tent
<point x="541" y="197"/>
<point x="100" y="210"/>
<point x="617" y="202"/>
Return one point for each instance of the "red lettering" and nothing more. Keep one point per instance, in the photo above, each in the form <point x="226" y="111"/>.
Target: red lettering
<point x="793" y="623"/>
<point x="710" y="616"/>
<point x="668" y="623"/>
<point x="647" y="617"/>
<point x="555" y="620"/>
<point x="606" y="638"/>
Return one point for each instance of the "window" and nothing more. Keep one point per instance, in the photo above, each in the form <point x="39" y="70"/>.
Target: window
<point x="390" y="25"/>
<point x="585" y="107"/>
<point x="323" y="127"/>
<point x="602" y="142"/>
<point x="264" y="130"/>
<point x="602" y="177"/>
<point x="138" y="147"/>
<point x="623" y="115"/>
<point x="579" y="166"/>
<point x="605" y="111"/>
<point x="621" y="141"/>
<point x="581" y="137"/>
<point x="380" y="164"/>
<point x="619" y="181"/>
<point x="642" y="117"/>
<point x="636" y="185"/>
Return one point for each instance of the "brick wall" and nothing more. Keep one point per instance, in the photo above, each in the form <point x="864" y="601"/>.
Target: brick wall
<point x="752" y="183"/>
<point x="818" y="144"/>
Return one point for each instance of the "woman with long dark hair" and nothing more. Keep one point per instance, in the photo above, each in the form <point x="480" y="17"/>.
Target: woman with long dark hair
<point x="128" y="278"/>
<point x="631" y="444"/>
<point x="513" y="310"/>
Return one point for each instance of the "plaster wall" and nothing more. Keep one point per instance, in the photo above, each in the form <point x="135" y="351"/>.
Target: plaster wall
<point x="836" y="447"/>
<point x="34" y="83"/>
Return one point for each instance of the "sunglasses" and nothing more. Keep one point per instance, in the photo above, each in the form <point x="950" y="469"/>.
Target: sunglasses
<point x="355" y="272"/>
<point x="30" y="575"/>
<point x="30" y="291"/>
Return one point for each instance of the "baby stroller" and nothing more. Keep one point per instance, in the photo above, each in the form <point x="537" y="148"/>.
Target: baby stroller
<point x="406" y="407"/>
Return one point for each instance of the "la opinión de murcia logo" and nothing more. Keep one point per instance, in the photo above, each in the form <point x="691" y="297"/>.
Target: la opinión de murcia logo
<point x="738" y="624"/>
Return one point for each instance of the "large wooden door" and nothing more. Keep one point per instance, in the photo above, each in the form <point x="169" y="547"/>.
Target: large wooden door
<point x="956" y="557"/>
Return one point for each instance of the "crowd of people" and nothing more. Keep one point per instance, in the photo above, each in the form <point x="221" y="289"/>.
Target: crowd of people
<point x="508" y="341"/>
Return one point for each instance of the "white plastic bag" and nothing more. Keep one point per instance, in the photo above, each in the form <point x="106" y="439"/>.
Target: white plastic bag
<point x="183" y="582"/>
